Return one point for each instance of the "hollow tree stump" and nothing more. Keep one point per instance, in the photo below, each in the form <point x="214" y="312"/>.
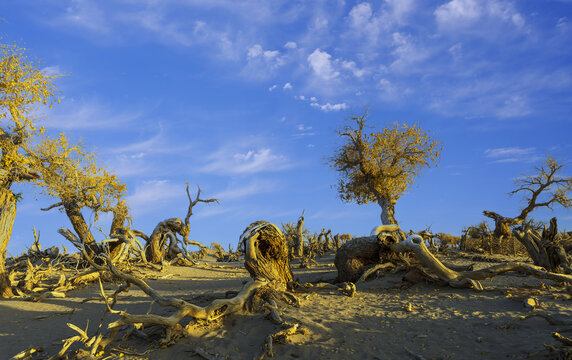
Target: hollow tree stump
<point x="267" y="253"/>
<point x="355" y="256"/>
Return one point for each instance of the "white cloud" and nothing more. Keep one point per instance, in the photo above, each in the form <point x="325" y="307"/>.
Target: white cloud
<point x="51" y="70"/>
<point x="84" y="14"/>
<point x="512" y="154"/>
<point x="459" y="15"/>
<point x="153" y="193"/>
<point x="407" y="53"/>
<point x="513" y="107"/>
<point x="321" y="65"/>
<point x="262" y="63"/>
<point x="229" y="161"/>
<point x="330" y="107"/>
<point x="457" y="12"/>
<point x="352" y="67"/>
<point x="290" y="45"/>
<point x="287" y="86"/>
<point x="304" y="131"/>
<point x="399" y="9"/>
<point x="272" y="87"/>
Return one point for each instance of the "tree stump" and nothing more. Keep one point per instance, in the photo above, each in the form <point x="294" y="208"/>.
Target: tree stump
<point x="546" y="250"/>
<point x="355" y="256"/>
<point x="267" y="253"/>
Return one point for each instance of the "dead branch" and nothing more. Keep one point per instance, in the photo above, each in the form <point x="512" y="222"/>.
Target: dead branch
<point x="469" y="278"/>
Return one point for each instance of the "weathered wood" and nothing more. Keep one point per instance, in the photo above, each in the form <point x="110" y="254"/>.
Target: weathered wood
<point x="454" y="278"/>
<point x="267" y="254"/>
<point x="546" y="250"/>
<point x="299" y="237"/>
<point x="357" y="255"/>
<point x="502" y="224"/>
<point x="7" y="216"/>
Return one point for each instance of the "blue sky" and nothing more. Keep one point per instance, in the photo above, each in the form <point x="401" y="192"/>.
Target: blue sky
<point x="243" y="99"/>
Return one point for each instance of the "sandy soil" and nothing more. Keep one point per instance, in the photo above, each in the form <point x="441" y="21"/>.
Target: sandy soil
<point x="377" y="323"/>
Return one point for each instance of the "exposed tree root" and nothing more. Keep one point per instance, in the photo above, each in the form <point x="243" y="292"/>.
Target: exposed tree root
<point x="469" y="278"/>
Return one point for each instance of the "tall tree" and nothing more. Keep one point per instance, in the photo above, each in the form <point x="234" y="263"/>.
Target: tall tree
<point x="544" y="189"/>
<point x="381" y="165"/>
<point x="23" y="88"/>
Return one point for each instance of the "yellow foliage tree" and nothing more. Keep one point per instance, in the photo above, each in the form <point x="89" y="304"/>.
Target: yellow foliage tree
<point x="71" y="174"/>
<point x="23" y="88"/>
<point x="380" y="166"/>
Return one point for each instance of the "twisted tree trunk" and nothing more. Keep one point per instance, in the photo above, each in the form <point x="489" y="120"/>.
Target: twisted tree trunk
<point x="387" y="210"/>
<point x="267" y="254"/>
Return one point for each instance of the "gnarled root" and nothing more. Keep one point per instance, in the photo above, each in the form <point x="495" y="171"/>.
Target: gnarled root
<point x="469" y="278"/>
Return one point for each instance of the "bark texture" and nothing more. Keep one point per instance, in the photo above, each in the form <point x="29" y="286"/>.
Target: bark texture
<point x="267" y="253"/>
<point x="357" y="255"/>
<point x="164" y="231"/>
<point x="73" y="211"/>
<point x="387" y="211"/>
<point x="546" y="249"/>
<point x="503" y="224"/>
<point x="7" y="216"/>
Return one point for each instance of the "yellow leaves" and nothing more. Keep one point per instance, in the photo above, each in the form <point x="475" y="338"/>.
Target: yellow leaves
<point x="381" y="164"/>
<point x="70" y="173"/>
<point x="22" y="86"/>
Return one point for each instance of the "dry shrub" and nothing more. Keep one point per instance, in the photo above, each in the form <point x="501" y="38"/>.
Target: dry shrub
<point x="479" y="239"/>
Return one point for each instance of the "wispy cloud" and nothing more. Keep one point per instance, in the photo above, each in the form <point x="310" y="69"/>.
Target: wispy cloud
<point x="236" y="161"/>
<point x="150" y="195"/>
<point x="477" y="17"/>
<point x="89" y="115"/>
<point x="512" y="154"/>
<point x="238" y="191"/>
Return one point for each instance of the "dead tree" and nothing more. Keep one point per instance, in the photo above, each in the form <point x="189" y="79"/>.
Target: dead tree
<point x="267" y="253"/>
<point x="360" y="255"/>
<point x="163" y="242"/>
<point x="266" y="260"/>
<point x="544" y="189"/>
<point x="326" y="242"/>
<point x="546" y="249"/>
<point x="354" y="257"/>
<point x="299" y="236"/>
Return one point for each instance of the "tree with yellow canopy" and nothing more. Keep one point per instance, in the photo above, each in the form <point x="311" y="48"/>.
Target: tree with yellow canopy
<point x="379" y="166"/>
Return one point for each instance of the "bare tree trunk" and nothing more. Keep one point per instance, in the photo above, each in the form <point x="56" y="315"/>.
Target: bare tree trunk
<point x="77" y="220"/>
<point x="387" y="211"/>
<point x="7" y="216"/>
<point x="267" y="254"/>
<point x="120" y="213"/>
<point x="502" y="224"/>
<point x="299" y="240"/>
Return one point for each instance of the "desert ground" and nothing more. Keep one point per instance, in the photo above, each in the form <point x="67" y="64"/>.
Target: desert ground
<point x="387" y="318"/>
